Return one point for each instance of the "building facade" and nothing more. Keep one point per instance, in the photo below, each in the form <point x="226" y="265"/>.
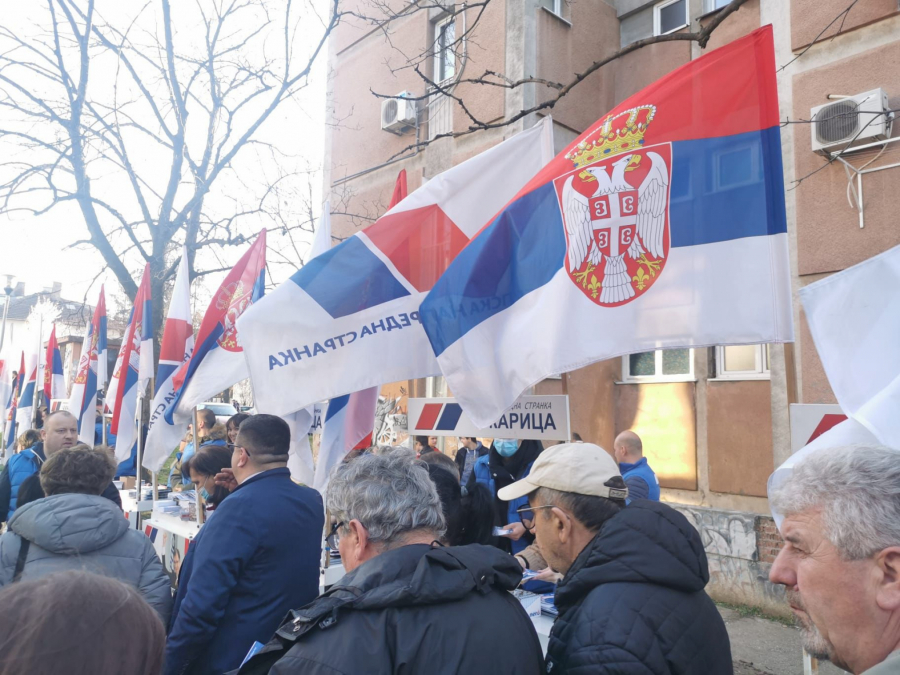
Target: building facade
<point x="715" y="422"/>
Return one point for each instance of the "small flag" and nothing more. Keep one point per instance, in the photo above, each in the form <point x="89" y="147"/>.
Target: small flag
<point x="11" y="410"/>
<point x="91" y="373"/>
<point x="54" y="379"/>
<point x="177" y="347"/>
<point x="25" y="408"/>
<point x="134" y="369"/>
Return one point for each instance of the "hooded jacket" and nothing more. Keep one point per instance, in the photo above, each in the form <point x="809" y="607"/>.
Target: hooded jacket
<point x="84" y="532"/>
<point x="633" y="601"/>
<point x="413" y="609"/>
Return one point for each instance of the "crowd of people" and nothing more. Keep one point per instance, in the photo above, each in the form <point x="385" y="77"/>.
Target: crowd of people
<point x="431" y="547"/>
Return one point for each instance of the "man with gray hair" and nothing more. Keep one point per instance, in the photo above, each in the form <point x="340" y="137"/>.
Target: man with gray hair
<point x="407" y="604"/>
<point x="840" y="563"/>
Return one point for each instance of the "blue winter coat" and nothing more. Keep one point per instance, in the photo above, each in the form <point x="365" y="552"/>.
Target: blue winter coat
<point x="20" y="467"/>
<point x="255" y="560"/>
<point x="483" y="475"/>
<point x="640" y="479"/>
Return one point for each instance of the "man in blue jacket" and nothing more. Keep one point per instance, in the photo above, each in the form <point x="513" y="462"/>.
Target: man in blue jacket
<point x="639" y="477"/>
<point x="255" y="560"/>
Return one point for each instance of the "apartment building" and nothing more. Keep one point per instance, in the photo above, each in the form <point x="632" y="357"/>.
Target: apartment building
<point x="715" y="422"/>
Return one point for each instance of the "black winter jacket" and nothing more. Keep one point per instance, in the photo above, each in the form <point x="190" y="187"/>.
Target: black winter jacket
<point x="412" y="610"/>
<point x="633" y="602"/>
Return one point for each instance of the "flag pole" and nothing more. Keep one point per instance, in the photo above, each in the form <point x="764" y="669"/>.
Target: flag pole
<point x="154" y="478"/>
<point x="198" y="498"/>
<point x="37" y="369"/>
<point x="139" y="422"/>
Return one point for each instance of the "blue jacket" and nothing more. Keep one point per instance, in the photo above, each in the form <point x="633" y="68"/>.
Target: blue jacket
<point x="258" y="558"/>
<point x="20" y="467"/>
<point x="482" y="473"/>
<point x="640" y="479"/>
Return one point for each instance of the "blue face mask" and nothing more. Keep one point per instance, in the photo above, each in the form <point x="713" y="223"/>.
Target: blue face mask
<point x="204" y="494"/>
<point x="506" y="446"/>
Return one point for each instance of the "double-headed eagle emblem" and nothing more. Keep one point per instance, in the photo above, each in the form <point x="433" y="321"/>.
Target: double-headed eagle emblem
<point x="620" y="217"/>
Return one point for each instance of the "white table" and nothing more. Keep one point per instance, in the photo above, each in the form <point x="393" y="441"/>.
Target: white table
<point x="183" y="528"/>
<point x="543" y="624"/>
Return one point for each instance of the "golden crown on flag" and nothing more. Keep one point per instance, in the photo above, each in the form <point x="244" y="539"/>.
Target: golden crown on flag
<point x="613" y="140"/>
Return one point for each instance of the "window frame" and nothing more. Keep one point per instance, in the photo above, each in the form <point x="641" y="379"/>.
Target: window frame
<point x="628" y="378"/>
<point x="761" y="372"/>
<point x="556" y="9"/>
<point x="709" y="6"/>
<point x="755" y="167"/>
<point x="439" y="50"/>
<point x="662" y="5"/>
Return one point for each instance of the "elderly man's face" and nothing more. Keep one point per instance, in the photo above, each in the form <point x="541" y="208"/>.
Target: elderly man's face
<point x="833" y="599"/>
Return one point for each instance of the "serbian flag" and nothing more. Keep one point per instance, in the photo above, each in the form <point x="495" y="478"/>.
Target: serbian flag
<point x="134" y="369"/>
<point x="11" y="410"/>
<point x="91" y="373"/>
<point x="662" y="226"/>
<point x="6" y="385"/>
<point x="349" y="319"/>
<point x="54" y="379"/>
<point x="218" y="360"/>
<point x="177" y="347"/>
<point x="25" y="408"/>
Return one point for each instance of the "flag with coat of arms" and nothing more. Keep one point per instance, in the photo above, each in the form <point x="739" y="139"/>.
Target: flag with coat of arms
<point x="54" y="379"/>
<point x="91" y="373"/>
<point x="662" y="226"/>
<point x="218" y="359"/>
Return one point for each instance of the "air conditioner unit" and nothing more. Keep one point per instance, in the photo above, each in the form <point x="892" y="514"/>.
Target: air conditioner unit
<point x="398" y="114"/>
<point x="854" y="120"/>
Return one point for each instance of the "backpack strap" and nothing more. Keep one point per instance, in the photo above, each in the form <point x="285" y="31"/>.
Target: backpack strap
<point x="20" y="560"/>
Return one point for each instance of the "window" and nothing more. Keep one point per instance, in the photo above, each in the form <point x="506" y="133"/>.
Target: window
<point x="712" y="5"/>
<point x="554" y="6"/>
<point x="444" y="56"/>
<point x="669" y="16"/>
<point x="661" y="365"/>
<point x="742" y="362"/>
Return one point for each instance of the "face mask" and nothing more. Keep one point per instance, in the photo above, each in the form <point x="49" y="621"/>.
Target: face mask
<point x="204" y="494"/>
<point x="506" y="446"/>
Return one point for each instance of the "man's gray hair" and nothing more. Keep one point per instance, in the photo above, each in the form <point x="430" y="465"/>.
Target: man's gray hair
<point x="389" y="494"/>
<point x="858" y="490"/>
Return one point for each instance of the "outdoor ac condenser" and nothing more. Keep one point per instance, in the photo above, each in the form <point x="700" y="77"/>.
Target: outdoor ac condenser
<point x="856" y="120"/>
<point x="398" y="114"/>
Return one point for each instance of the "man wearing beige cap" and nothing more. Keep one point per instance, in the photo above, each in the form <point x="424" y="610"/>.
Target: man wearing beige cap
<point x="632" y="598"/>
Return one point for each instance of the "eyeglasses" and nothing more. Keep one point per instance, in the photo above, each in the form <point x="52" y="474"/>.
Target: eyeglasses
<point x="233" y="446"/>
<point x="527" y="513"/>
<point x="334" y="537"/>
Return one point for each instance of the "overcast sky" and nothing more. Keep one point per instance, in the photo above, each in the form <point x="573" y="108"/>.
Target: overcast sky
<point x="36" y="249"/>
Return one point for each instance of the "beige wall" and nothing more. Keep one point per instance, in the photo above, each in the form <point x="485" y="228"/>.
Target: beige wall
<point x="828" y="234"/>
<point x="810" y="17"/>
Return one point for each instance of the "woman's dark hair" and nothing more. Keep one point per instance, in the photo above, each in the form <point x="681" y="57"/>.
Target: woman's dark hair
<point x="422" y="440"/>
<point x="30" y="491"/>
<point x="235" y="421"/>
<point x="469" y="516"/>
<point x="29" y="438"/>
<point x="77" y="622"/>
<point x="208" y="461"/>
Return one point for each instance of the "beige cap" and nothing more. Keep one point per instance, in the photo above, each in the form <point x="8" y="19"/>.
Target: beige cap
<point x="581" y="468"/>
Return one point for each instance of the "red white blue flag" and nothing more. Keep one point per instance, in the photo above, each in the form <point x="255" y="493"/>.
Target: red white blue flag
<point x="11" y="410"/>
<point x="134" y="369"/>
<point x="218" y="359"/>
<point x="25" y="408"/>
<point x="177" y="347"/>
<point x="54" y="379"/>
<point x="91" y="373"/>
<point x="662" y="226"/>
<point x="349" y="319"/>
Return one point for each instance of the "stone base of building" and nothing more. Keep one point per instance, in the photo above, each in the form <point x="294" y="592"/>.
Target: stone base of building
<point x="741" y="548"/>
